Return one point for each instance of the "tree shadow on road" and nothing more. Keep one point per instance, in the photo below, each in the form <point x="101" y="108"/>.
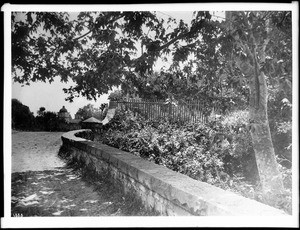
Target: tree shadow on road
<point x="71" y="191"/>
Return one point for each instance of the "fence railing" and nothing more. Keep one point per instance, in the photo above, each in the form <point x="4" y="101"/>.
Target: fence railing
<point x="192" y="111"/>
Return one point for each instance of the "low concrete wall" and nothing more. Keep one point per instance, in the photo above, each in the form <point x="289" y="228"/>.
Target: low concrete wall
<point x="168" y="192"/>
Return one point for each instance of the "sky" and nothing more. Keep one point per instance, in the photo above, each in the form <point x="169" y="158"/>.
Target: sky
<point x="52" y="97"/>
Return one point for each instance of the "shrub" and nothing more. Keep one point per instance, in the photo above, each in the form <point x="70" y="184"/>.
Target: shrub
<point x="197" y="150"/>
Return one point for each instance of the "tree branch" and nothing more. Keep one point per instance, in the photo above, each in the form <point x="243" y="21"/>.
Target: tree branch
<point x="194" y="29"/>
<point x="171" y="42"/>
<point x="75" y="39"/>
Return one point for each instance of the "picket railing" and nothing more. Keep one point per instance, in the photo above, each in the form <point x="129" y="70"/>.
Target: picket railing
<point x="192" y="111"/>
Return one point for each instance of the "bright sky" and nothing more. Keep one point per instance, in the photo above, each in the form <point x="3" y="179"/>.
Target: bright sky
<point x="52" y="97"/>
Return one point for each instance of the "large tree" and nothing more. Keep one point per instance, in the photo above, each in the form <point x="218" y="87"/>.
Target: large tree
<point x="261" y="51"/>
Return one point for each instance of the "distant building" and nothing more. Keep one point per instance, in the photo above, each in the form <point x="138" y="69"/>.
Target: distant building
<point x="64" y="114"/>
<point x="92" y="123"/>
<point x="72" y="123"/>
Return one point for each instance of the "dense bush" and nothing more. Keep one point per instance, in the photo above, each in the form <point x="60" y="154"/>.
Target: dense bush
<point x="22" y="117"/>
<point x="204" y="152"/>
<point x="219" y="152"/>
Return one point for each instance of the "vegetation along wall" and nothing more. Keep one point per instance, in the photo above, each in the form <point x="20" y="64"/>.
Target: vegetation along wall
<point x="166" y="191"/>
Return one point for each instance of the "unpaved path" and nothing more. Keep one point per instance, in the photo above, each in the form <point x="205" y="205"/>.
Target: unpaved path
<point x="42" y="185"/>
<point x="35" y="151"/>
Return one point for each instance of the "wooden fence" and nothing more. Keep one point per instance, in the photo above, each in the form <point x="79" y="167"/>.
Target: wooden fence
<point x="192" y="111"/>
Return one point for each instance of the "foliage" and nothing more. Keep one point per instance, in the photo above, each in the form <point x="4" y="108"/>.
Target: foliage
<point x="41" y="111"/>
<point x="48" y="121"/>
<point x="97" y="50"/>
<point x="88" y="111"/>
<point x="116" y="95"/>
<point x="219" y="152"/>
<point x="228" y="139"/>
<point x="280" y="119"/>
<point x="22" y="117"/>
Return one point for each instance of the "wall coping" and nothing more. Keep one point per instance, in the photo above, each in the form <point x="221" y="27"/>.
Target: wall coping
<point x="71" y="135"/>
<point x="189" y="194"/>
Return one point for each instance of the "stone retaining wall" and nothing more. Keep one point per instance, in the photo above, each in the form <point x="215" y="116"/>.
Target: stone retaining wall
<point x="166" y="191"/>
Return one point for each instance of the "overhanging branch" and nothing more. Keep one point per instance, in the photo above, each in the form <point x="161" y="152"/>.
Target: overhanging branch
<point x="193" y="30"/>
<point x="75" y="39"/>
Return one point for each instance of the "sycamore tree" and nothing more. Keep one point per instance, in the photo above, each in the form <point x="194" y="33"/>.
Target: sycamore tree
<point x="234" y="59"/>
<point x="95" y="50"/>
<point x="261" y="50"/>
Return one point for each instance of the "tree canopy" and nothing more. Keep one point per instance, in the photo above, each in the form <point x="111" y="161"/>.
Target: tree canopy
<point x="100" y="50"/>
<point x="97" y="50"/>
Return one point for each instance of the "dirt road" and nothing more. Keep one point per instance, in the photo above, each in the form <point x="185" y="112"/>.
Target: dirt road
<point x="35" y="151"/>
<point x="42" y="185"/>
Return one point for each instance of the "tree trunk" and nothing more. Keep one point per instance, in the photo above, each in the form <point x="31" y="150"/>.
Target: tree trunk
<point x="270" y="176"/>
